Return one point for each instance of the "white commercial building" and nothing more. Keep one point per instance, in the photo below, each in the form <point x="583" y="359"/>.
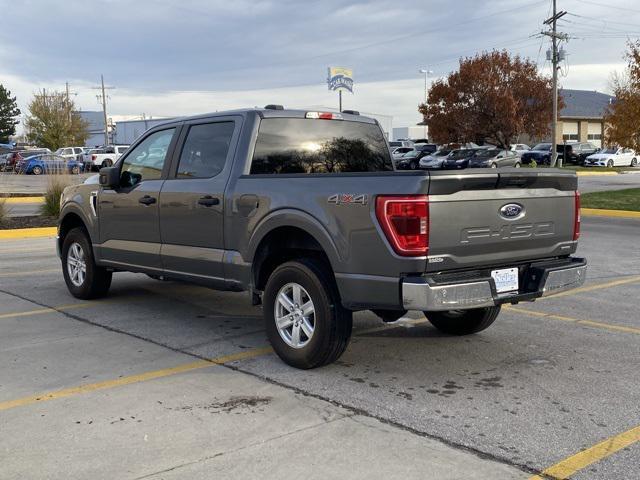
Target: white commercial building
<point x="413" y="132"/>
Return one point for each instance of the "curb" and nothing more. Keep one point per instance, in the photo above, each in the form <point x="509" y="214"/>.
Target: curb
<point x="595" y="174"/>
<point x="15" y="233"/>
<point x="599" y="212"/>
<point x="22" y="200"/>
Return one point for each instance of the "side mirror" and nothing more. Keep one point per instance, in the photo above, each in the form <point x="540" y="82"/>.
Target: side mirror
<point x="110" y="177"/>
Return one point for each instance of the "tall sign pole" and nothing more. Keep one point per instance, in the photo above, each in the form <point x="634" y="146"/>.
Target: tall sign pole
<point x="555" y="60"/>
<point x="340" y="78"/>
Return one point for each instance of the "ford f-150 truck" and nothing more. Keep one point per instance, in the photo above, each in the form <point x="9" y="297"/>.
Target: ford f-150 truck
<point x="304" y="211"/>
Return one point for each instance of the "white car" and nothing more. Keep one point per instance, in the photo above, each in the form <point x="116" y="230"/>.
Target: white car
<point x="520" y="148"/>
<point x="612" y="157"/>
<point x="103" y="156"/>
<point x="70" y="153"/>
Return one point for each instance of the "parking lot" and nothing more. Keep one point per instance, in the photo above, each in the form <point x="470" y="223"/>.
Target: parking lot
<point x="166" y="380"/>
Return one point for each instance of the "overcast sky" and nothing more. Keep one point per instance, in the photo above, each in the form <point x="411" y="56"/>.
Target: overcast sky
<point x="181" y="57"/>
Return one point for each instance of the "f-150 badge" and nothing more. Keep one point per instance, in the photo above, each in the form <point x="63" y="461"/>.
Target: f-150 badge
<point x="348" y="199"/>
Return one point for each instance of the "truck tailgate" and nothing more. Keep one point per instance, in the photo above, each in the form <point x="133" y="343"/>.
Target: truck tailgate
<point x="482" y="218"/>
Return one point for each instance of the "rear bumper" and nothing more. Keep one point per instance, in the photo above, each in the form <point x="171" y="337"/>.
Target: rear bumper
<point x="446" y="292"/>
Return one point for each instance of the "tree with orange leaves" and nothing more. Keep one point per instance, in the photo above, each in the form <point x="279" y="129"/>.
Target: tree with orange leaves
<point x="493" y="97"/>
<point x="623" y="116"/>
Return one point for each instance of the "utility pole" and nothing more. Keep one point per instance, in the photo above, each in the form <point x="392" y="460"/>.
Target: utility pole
<point x="104" y="107"/>
<point x="555" y="60"/>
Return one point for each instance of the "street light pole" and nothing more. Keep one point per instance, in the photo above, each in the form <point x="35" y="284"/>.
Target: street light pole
<point x="426" y="73"/>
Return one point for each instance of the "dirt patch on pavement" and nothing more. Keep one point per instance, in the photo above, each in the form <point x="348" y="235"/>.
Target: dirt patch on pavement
<point x="28" y="222"/>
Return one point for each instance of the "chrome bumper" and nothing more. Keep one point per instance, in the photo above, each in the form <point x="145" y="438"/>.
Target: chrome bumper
<point x="421" y="294"/>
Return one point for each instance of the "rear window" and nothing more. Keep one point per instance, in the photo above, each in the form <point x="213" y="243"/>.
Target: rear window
<point x="300" y="145"/>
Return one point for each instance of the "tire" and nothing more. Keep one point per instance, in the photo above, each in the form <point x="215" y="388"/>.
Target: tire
<point x="37" y="170"/>
<point x="413" y="165"/>
<point x="634" y="162"/>
<point x="329" y="322"/>
<point x="463" y="322"/>
<point x="493" y="165"/>
<point x="75" y="170"/>
<point x="96" y="280"/>
<point x="610" y="164"/>
<point x="517" y="165"/>
<point x="106" y="163"/>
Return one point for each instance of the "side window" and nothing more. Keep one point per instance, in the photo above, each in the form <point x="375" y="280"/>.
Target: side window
<point x="205" y="150"/>
<point x="146" y="160"/>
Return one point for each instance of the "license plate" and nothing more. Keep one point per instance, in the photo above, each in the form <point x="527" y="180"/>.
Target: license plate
<point x="506" y="279"/>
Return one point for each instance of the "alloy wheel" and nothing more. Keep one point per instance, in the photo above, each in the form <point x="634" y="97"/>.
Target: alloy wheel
<point x="294" y="315"/>
<point x="76" y="264"/>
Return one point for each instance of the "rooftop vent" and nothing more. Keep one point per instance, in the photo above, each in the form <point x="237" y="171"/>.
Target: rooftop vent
<point x="351" y="112"/>
<point x="272" y="106"/>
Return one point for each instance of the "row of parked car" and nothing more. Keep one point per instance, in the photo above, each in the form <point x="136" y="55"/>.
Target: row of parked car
<point x="74" y="160"/>
<point x="411" y="156"/>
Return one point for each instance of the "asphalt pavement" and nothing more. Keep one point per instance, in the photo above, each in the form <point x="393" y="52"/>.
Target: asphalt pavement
<point x="168" y="380"/>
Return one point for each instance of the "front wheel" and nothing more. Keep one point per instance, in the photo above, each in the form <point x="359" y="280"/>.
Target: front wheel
<point x="463" y="322"/>
<point x="493" y="165"/>
<point x="37" y="170"/>
<point x="517" y="165"/>
<point x="305" y="321"/>
<point x="83" y="277"/>
<point x="610" y="164"/>
<point x="106" y="163"/>
<point x="413" y="165"/>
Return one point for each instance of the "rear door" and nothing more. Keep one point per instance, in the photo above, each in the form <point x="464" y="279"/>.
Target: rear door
<point x="192" y="199"/>
<point x="128" y="215"/>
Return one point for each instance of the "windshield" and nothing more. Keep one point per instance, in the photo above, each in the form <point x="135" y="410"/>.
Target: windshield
<point x="459" y="154"/>
<point x="609" y="150"/>
<point x="300" y="145"/>
<point x="442" y="153"/>
<point x="542" y="146"/>
<point x="412" y="153"/>
<point x="486" y="153"/>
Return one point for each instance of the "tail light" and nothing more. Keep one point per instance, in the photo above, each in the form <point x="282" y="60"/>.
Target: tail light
<point x="323" y="116"/>
<point x="93" y="157"/>
<point x="405" y="222"/>
<point x="576" y="217"/>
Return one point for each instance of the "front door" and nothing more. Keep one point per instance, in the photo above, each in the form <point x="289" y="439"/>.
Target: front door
<point x="128" y="215"/>
<point x="192" y="200"/>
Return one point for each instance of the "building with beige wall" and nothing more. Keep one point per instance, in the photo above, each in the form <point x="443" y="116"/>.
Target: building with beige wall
<point x="581" y="118"/>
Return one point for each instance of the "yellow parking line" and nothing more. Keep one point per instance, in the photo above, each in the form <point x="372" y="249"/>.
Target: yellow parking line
<point x="22" y="200"/>
<point x="597" y="286"/>
<point x="31" y="272"/>
<point x="590" y="323"/>
<point x="141" y="377"/>
<point x="41" y="311"/>
<point x="601" y="212"/>
<point x="594" y="174"/>
<point x="15" y="233"/>
<point x="581" y="460"/>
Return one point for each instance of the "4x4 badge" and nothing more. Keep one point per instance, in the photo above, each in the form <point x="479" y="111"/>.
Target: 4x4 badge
<point x="348" y="199"/>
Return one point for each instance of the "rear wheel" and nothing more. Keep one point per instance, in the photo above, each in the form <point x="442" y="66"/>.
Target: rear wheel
<point x="463" y="322"/>
<point x="37" y="170"/>
<point x="75" y="170"/>
<point x="634" y="162"/>
<point x="107" y="163"/>
<point x="83" y="277"/>
<point x="610" y="164"/>
<point x="517" y="165"/>
<point x="493" y="165"/>
<point x="305" y="321"/>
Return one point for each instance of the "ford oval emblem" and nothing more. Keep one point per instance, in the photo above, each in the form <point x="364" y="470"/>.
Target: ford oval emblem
<point x="512" y="211"/>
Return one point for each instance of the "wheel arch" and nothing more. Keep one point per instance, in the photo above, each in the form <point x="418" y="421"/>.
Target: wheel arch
<point x="72" y="218"/>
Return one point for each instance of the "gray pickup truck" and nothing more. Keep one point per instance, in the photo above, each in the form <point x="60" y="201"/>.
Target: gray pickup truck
<point x="304" y="211"/>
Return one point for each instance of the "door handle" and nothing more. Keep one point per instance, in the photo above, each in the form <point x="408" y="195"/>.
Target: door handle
<point x="147" y="200"/>
<point x="208" y="201"/>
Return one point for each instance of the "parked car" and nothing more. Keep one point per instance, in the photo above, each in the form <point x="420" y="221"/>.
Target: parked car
<point x="103" y="156"/>
<point x="541" y="153"/>
<point x="434" y="160"/>
<point x="613" y="157"/>
<point x="520" y="148"/>
<point x="401" y="151"/>
<point x="14" y="157"/>
<point x="494" y="158"/>
<point x="70" y="152"/>
<point x="459" y="158"/>
<point x="575" y="153"/>
<point x="234" y="201"/>
<point x="411" y="160"/>
<point x="48" y="163"/>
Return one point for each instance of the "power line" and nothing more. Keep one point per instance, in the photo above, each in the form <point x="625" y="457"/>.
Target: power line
<point x="608" y="6"/>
